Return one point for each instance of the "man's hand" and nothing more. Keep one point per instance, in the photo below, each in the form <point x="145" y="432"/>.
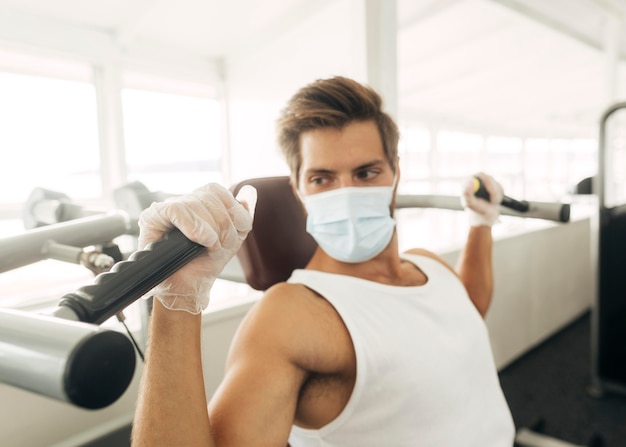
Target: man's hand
<point x="481" y="211"/>
<point x="209" y="216"/>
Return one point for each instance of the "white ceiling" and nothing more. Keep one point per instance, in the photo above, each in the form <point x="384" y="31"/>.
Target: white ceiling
<point x="526" y="64"/>
<point x="510" y="66"/>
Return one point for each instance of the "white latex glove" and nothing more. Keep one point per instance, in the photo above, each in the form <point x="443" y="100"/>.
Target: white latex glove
<point x="209" y="216"/>
<point x="480" y="211"/>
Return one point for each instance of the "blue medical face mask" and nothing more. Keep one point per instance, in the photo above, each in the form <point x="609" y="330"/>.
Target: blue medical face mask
<point x="351" y="224"/>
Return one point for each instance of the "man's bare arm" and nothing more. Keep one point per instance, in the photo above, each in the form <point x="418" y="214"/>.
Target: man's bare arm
<point x="254" y="405"/>
<point x="475" y="268"/>
<point x="172" y="408"/>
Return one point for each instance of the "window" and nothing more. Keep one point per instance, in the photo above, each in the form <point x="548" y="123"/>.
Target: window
<point x="253" y="144"/>
<point x="415" y="160"/>
<point x="49" y="137"/>
<point x="459" y="154"/>
<point x="172" y="141"/>
<point x="541" y="169"/>
<point x="504" y="161"/>
<point x="553" y="166"/>
<point x="583" y="159"/>
<point x="537" y="167"/>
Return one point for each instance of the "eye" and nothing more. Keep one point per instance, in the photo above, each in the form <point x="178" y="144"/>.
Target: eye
<point x="367" y="174"/>
<point x="318" y="180"/>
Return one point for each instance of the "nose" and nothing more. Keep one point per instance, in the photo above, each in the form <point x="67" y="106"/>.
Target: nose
<point x="346" y="180"/>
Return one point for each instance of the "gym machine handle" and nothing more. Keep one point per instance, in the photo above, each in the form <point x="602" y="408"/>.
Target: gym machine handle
<point x="480" y="191"/>
<point x="555" y="211"/>
<point x="128" y="280"/>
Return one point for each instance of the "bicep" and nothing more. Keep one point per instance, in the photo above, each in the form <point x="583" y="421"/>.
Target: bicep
<point x="253" y="406"/>
<point x="256" y="402"/>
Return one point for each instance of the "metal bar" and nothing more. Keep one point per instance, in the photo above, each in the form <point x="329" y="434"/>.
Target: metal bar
<point x="528" y="438"/>
<point x="28" y="247"/>
<point x="70" y="361"/>
<point x="559" y="212"/>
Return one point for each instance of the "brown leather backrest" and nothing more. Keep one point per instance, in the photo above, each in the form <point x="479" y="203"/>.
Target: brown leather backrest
<point x="278" y="242"/>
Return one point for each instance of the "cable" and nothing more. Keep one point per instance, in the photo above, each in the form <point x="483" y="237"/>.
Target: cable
<point x="122" y="319"/>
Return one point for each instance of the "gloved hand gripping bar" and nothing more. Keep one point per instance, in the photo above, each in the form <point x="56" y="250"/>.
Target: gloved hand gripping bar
<point x="129" y="280"/>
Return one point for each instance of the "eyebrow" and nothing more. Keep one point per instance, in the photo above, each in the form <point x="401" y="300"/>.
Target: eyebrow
<point x="362" y="167"/>
<point x="318" y="171"/>
<point x="372" y="164"/>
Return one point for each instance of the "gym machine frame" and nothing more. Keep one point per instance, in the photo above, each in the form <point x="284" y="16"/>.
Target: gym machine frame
<point x="67" y="355"/>
<point x="608" y="331"/>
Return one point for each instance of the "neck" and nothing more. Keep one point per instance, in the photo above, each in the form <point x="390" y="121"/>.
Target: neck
<point x="385" y="267"/>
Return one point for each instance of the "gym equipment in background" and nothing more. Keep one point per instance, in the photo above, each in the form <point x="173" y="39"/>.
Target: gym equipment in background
<point x="608" y="369"/>
<point x="536" y="437"/>
<point x="608" y="316"/>
<point x="481" y="191"/>
<point x="69" y="361"/>
<point x="67" y="355"/>
<point x="555" y="211"/>
<point x="62" y="241"/>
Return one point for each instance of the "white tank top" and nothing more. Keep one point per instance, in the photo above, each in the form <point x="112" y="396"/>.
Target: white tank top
<point x="425" y="370"/>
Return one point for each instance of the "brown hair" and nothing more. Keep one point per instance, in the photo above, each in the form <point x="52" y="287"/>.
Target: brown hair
<point x="333" y="102"/>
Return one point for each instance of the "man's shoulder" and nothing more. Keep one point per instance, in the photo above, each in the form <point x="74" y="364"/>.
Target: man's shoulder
<point x="303" y="325"/>
<point x="283" y="291"/>
<point x="294" y="298"/>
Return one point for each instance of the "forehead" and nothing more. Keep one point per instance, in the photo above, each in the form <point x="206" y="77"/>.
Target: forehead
<point x="353" y="144"/>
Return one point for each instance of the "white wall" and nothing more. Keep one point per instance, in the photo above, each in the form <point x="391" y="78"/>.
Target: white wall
<point x="543" y="281"/>
<point x="326" y="43"/>
<point x="329" y="42"/>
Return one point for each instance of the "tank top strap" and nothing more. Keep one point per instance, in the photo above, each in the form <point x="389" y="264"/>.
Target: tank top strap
<point x="429" y="266"/>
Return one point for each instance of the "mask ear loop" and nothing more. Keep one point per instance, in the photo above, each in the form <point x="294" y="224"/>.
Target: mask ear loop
<point x="392" y="198"/>
<point x="396" y="174"/>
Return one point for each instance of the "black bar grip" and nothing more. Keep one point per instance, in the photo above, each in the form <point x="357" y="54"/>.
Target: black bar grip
<point x="129" y="280"/>
<point x="517" y="205"/>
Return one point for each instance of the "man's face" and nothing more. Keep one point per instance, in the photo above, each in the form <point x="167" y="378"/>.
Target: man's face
<point x="338" y="158"/>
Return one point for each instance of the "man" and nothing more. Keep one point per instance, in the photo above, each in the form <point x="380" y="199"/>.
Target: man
<point x="363" y="347"/>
